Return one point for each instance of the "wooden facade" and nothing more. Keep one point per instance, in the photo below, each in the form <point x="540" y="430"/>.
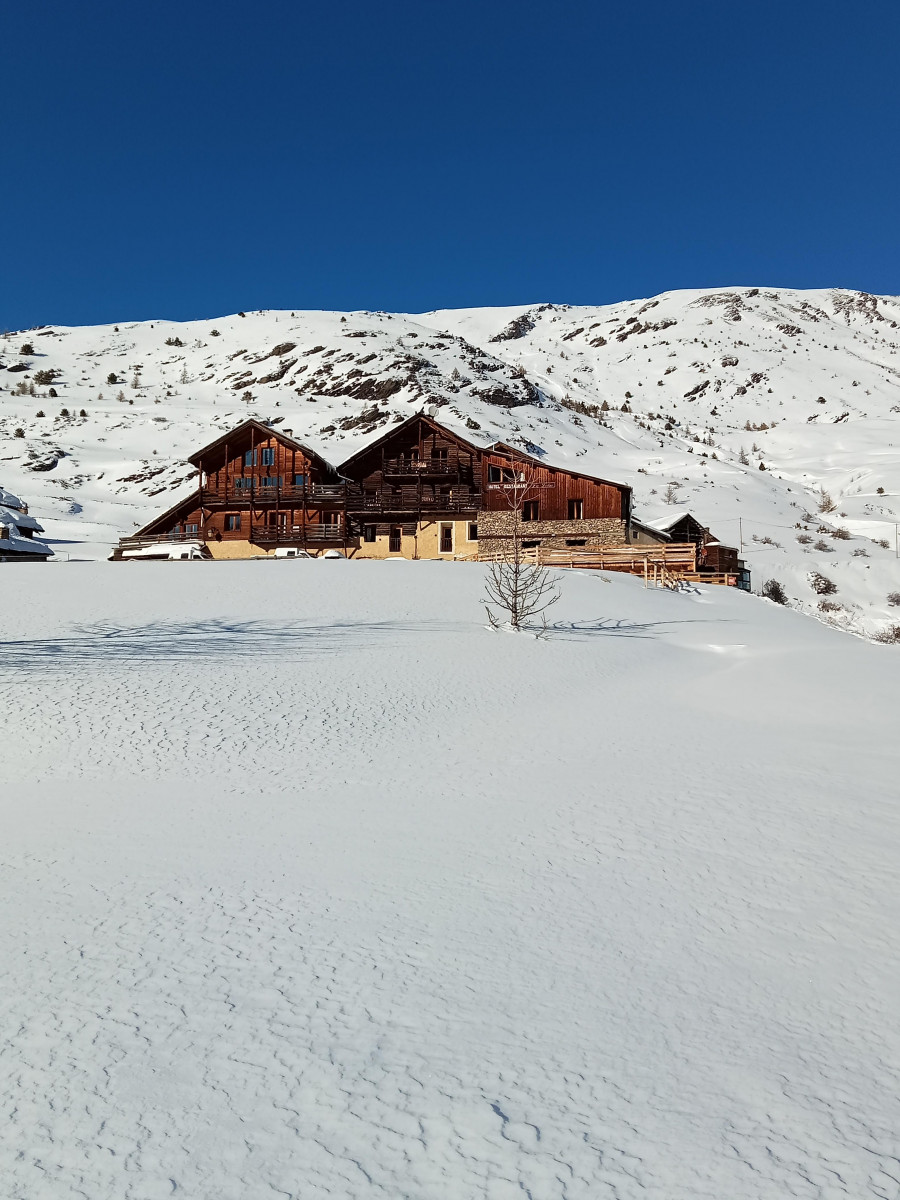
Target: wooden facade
<point x="420" y="491"/>
<point x="257" y="488"/>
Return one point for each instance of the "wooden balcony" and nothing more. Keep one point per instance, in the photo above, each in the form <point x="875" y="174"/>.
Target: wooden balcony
<point x="289" y="535"/>
<point x="409" y="502"/>
<point x="420" y="466"/>
<point x="311" y="496"/>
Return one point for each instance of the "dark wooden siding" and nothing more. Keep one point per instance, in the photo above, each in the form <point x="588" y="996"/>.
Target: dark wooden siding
<point x="554" y="489"/>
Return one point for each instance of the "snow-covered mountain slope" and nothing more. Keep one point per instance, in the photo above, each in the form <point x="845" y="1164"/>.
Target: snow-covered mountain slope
<point x="715" y="385"/>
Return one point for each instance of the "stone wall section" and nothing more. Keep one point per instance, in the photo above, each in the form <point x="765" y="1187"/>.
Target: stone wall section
<point x="495" y="530"/>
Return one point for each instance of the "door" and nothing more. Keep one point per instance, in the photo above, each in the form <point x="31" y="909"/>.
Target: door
<point x="395" y="541"/>
<point x="446" y="539"/>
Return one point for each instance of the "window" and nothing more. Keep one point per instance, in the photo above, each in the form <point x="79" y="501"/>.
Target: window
<point x="576" y="541"/>
<point x="446" y="539"/>
<point x="272" y="481"/>
<point x="395" y="542"/>
<point x="576" y="510"/>
<point x="531" y="510"/>
<point x="332" y="518"/>
<point x="369" y="533"/>
<point x="439" y="456"/>
<point x="244" y="482"/>
<point x="473" y="532"/>
<point x="530" y="545"/>
<point x="192" y="528"/>
<point x="299" y="481"/>
<point x="503" y="475"/>
<point x="250" y="458"/>
<point x="268" y="457"/>
<point x="232" y="522"/>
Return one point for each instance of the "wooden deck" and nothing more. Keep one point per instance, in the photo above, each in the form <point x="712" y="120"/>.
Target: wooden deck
<point x="659" y="566"/>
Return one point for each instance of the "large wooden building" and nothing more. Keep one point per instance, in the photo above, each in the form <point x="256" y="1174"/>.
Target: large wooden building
<point x="419" y="491"/>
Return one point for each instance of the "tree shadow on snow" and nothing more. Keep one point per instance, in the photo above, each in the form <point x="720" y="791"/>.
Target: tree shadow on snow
<point x="107" y="643"/>
<point x="608" y="627"/>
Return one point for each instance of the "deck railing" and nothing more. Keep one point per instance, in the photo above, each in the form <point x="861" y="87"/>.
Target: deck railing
<point x="311" y="495"/>
<point x="264" y="535"/>
<point x="385" y="502"/>
<point x="420" y="466"/>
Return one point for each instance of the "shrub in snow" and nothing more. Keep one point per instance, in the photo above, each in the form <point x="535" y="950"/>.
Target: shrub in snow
<point x="889" y="636"/>
<point x="894" y="599"/>
<point x="27" y="348"/>
<point x="40" y="413"/>
<point x="820" y="545"/>
<point x="112" y="377"/>
<point x="772" y="590"/>
<point x="883" y="543"/>
<point x="53" y="394"/>
<point x="804" y="539"/>
<point x="20" y="433"/>
<point x="842" y="535"/>
<point x="821" y="585"/>
<point x="826" y="504"/>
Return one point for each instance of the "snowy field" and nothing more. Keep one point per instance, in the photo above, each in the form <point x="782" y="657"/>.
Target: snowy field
<point x="313" y="886"/>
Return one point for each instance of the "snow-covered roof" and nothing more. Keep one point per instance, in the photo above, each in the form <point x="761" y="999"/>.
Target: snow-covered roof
<point x="12" y="521"/>
<point x="663" y="523"/>
<point x="8" y="500"/>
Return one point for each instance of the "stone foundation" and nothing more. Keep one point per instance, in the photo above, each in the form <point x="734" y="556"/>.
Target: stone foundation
<point x="495" y="531"/>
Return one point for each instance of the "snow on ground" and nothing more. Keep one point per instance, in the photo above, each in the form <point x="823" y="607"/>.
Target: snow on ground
<point x="718" y="383"/>
<point x="314" y="886"/>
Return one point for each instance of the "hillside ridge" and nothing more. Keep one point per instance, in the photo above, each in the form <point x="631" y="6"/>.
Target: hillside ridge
<point x="771" y="413"/>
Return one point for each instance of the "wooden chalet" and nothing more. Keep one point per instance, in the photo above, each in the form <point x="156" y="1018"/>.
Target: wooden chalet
<point x="423" y="491"/>
<point x="258" y="489"/>
<point x="419" y="491"/>
<point x="713" y="558"/>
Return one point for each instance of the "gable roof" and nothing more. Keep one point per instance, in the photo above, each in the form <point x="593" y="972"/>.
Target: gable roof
<point x="524" y="456"/>
<point x="395" y="429"/>
<point x="494" y="447"/>
<point x="186" y="502"/>
<point x="267" y="431"/>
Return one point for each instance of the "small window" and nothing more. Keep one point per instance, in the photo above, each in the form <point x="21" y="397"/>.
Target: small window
<point x="250" y="458"/>
<point x="576" y="510"/>
<point x="530" y="545"/>
<point x="576" y="541"/>
<point x="192" y="528"/>
<point x="369" y="533"/>
<point x="473" y="532"/>
<point x="232" y="522"/>
<point x="331" y="518"/>
<point x="446" y="539"/>
<point x="299" y="481"/>
<point x="242" y="483"/>
<point x="268" y="457"/>
<point x="531" y="510"/>
<point x="395" y="542"/>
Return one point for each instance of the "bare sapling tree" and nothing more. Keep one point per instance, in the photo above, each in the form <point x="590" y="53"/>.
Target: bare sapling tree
<point x="517" y="585"/>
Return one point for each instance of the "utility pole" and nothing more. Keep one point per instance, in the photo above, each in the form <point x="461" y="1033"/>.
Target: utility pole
<point x="741" y="533"/>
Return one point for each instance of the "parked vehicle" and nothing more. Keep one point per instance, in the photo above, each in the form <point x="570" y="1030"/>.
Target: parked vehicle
<point x="168" y="552"/>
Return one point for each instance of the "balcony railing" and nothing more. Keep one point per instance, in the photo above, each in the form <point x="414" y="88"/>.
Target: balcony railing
<point x="409" y="502"/>
<point x="265" y="535"/>
<point x="150" y="539"/>
<point x="420" y="466"/>
<point x="310" y="496"/>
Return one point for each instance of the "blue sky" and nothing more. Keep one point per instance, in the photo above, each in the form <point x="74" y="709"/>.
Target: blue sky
<point x="192" y="159"/>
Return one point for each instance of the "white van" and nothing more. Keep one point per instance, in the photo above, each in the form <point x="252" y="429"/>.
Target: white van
<point x="168" y="552"/>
